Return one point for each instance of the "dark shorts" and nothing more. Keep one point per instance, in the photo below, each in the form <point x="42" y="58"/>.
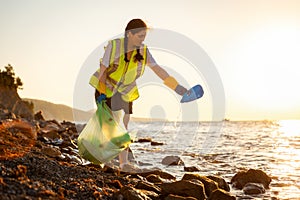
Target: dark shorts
<point x="117" y="103"/>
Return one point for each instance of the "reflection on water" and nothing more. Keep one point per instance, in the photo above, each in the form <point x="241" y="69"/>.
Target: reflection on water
<point x="289" y="128"/>
<point x="287" y="154"/>
<point x="273" y="147"/>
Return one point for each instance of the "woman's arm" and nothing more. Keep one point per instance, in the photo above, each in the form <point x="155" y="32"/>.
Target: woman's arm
<point x="168" y="80"/>
<point x="160" y="72"/>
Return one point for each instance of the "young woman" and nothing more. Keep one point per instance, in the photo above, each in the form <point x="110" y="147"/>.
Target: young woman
<point x="123" y="63"/>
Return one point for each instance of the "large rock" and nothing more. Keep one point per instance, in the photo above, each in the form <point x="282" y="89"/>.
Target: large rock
<point x="39" y="116"/>
<point x="222" y="184"/>
<point x="184" y="188"/>
<point x="10" y="100"/>
<point x="209" y="184"/>
<point x="152" y="178"/>
<point x="22" y="109"/>
<point x="172" y="160"/>
<point x="130" y="193"/>
<point x="158" y="172"/>
<point x="220" y="194"/>
<point x="143" y="185"/>
<point x="240" y="179"/>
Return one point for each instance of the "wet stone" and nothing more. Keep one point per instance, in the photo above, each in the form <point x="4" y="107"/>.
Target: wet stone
<point x="172" y="160"/>
<point x="240" y="179"/>
<point x="209" y="185"/>
<point x="191" y="169"/>
<point x="184" y="188"/>
<point x="153" y="143"/>
<point x="147" y="186"/>
<point x="142" y="140"/>
<point x="220" y="194"/>
<point x="158" y="172"/>
<point x="130" y="193"/>
<point x="222" y="184"/>
<point x="154" y="178"/>
<point x="254" y="188"/>
<point x="39" y="116"/>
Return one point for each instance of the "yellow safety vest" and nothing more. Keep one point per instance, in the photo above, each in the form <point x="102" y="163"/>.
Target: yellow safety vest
<point x="122" y="76"/>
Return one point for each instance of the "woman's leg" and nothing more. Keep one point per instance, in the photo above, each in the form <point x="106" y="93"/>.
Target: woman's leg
<point x="123" y="156"/>
<point x="126" y="119"/>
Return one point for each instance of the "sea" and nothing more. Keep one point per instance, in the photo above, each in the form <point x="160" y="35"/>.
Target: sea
<point x="225" y="148"/>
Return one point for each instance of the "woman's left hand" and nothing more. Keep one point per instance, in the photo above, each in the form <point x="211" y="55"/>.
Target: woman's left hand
<point x="101" y="98"/>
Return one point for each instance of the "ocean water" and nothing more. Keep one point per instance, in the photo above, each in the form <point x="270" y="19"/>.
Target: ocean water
<point x="224" y="148"/>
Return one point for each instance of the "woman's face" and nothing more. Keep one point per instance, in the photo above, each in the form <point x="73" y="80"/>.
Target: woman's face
<point x="138" y="38"/>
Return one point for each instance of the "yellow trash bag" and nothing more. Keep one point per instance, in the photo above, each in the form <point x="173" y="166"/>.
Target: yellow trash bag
<point x="102" y="139"/>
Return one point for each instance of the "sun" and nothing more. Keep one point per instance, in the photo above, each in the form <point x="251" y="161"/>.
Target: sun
<point x="268" y="75"/>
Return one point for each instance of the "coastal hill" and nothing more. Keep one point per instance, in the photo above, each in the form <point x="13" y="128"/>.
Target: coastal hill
<point x="62" y="112"/>
<point x="59" y="112"/>
<point x="11" y="102"/>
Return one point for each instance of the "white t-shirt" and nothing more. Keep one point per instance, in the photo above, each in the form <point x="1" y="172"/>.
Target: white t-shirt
<point x="106" y="57"/>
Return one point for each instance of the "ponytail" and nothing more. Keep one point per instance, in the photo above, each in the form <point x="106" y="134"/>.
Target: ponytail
<point x="125" y="48"/>
<point x="137" y="58"/>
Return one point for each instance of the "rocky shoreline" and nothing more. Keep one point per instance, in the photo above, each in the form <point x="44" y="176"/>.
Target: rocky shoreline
<point x="39" y="160"/>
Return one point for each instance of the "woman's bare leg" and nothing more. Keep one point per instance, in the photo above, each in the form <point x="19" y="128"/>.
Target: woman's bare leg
<point x="123" y="156"/>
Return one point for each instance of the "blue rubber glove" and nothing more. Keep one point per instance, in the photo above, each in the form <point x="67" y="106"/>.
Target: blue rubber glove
<point x="101" y="98"/>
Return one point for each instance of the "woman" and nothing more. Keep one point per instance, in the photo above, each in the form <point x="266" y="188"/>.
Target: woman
<point x="123" y="63"/>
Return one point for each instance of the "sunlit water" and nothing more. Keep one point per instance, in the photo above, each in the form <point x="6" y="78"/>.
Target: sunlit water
<point x="224" y="148"/>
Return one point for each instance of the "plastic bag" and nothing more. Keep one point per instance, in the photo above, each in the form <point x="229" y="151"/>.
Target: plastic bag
<point x="102" y="139"/>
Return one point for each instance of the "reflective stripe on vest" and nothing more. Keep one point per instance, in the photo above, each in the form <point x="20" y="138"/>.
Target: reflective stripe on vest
<point x="121" y="76"/>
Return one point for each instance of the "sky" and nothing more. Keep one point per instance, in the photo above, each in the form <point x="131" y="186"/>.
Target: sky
<point x="254" y="46"/>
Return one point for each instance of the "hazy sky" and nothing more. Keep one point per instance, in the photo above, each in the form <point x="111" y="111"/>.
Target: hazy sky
<point x="254" y="45"/>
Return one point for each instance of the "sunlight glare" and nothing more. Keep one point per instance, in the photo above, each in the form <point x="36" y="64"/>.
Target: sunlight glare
<point x="269" y="67"/>
<point x="290" y="128"/>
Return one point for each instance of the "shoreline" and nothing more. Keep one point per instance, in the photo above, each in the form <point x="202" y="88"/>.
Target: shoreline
<point x="52" y="168"/>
